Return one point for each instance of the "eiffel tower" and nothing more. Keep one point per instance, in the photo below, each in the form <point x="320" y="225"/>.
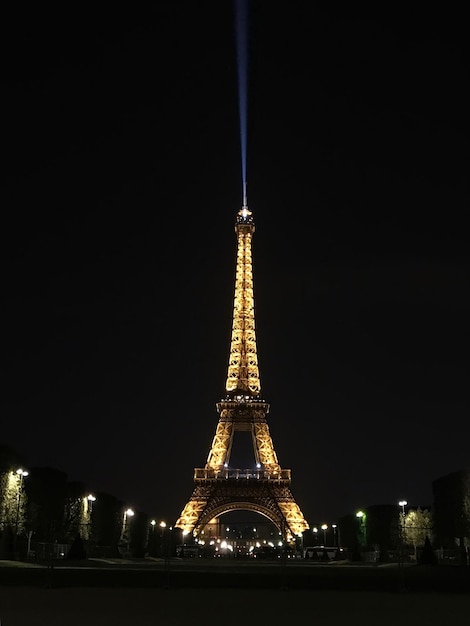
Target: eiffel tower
<point x="265" y="488"/>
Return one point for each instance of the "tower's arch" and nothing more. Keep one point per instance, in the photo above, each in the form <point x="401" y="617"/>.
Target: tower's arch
<point x="275" y="517"/>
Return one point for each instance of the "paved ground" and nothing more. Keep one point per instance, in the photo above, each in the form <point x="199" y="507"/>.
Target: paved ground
<point x="226" y="594"/>
<point x="231" y="574"/>
<point x="24" y="606"/>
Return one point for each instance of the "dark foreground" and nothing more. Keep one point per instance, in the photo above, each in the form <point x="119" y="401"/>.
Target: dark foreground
<point x="197" y="592"/>
<point x="87" y="606"/>
<point x="217" y="574"/>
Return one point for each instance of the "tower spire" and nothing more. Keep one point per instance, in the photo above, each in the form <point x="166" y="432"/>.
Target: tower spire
<point x="243" y="373"/>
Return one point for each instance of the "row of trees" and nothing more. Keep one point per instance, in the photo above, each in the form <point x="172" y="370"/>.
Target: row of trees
<point x="383" y="529"/>
<point x="397" y="529"/>
<point x="444" y="525"/>
<point x="42" y="512"/>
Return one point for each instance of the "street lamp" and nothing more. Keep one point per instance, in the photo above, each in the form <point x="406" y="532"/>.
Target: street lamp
<point x="334" y="527"/>
<point x="402" y="504"/>
<point x="162" y="532"/>
<point x="151" y="538"/>
<point x="127" y="514"/>
<point x="125" y="527"/>
<point x="361" y="516"/>
<point x="85" y="520"/>
<point x="164" y="541"/>
<point x="315" y="532"/>
<point x="91" y="498"/>
<point x="22" y="475"/>
<point x="324" y="528"/>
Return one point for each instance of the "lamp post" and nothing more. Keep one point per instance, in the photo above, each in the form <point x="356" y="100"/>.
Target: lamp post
<point x="85" y="521"/>
<point x="361" y="516"/>
<point x="125" y="528"/>
<point x="402" y="504"/>
<point x="335" y="540"/>
<point x="22" y="475"/>
<point x="401" y="551"/>
<point x="324" y="528"/>
<point x="151" y="539"/>
<point x="162" y="549"/>
<point x="91" y="498"/>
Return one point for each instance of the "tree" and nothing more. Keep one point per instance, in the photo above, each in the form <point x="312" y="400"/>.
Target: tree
<point x="418" y="525"/>
<point x="12" y="494"/>
<point x="13" y="502"/>
<point x="427" y="555"/>
<point x="76" y="521"/>
<point x="77" y="550"/>
<point x="46" y="490"/>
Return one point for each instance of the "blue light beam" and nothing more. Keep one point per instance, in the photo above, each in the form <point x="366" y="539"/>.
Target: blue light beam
<point x="241" y="27"/>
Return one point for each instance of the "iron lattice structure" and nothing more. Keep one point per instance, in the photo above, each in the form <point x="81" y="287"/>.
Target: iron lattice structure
<point x="218" y="488"/>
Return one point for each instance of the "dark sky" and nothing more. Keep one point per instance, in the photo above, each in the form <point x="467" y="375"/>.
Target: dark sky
<point x="121" y="183"/>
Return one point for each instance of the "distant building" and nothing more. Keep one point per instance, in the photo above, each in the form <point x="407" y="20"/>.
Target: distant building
<point x="451" y="509"/>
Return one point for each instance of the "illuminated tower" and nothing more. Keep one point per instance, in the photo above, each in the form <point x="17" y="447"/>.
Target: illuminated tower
<point x="264" y="488"/>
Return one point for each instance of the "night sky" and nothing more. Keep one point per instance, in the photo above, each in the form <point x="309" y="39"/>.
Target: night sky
<point x="121" y="180"/>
